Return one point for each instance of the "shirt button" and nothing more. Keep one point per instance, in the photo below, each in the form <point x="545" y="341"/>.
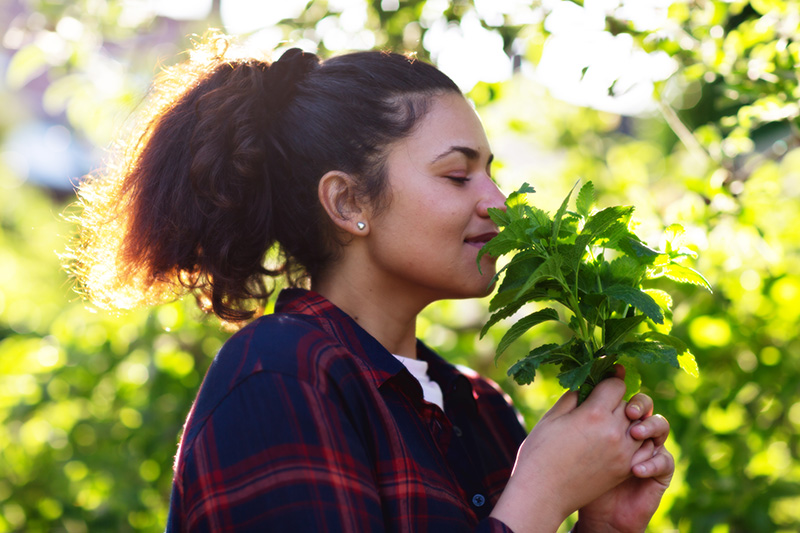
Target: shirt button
<point x="457" y="431"/>
<point x="478" y="500"/>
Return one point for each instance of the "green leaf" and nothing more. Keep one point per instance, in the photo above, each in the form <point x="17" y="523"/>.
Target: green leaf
<point x="502" y="313"/>
<point x="636" y="248"/>
<point x="523" y="325"/>
<point x="689" y="364"/>
<point x="499" y="216"/>
<point x="559" y="214"/>
<point x="573" y="253"/>
<point x="650" y="352"/>
<point x="672" y="233"/>
<point x="617" y="329"/>
<point x="549" y="269"/>
<point x="633" y="380"/>
<point x="519" y="269"/>
<point x="625" y="270"/>
<point x="686" y="359"/>
<point x="572" y="379"/>
<point x="585" y="200"/>
<point x="547" y="353"/>
<point x="638" y="299"/>
<point x="525" y="188"/>
<point x="684" y="274"/>
<point x="523" y="371"/>
<point x="605" y="223"/>
<point x="663" y="299"/>
<point x="512" y="237"/>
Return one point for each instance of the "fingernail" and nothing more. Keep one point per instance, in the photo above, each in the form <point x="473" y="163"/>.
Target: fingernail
<point x="636" y="409"/>
<point x="640" y="469"/>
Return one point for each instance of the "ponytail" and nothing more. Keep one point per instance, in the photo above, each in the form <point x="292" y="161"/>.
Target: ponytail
<point x="216" y="193"/>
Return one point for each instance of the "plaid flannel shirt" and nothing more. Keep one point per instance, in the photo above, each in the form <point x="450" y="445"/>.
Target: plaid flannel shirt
<point x="304" y="422"/>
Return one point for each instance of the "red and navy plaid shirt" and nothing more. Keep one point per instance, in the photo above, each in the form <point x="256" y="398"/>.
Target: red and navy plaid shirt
<point x="304" y="422"/>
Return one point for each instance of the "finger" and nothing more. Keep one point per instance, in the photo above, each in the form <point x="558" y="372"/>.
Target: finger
<point x="607" y="395"/>
<point x="644" y="453"/>
<point x="619" y="371"/>
<point x="654" y="427"/>
<point x="660" y="467"/>
<point x="640" y="406"/>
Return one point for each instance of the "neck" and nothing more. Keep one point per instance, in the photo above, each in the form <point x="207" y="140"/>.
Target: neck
<point x="384" y="312"/>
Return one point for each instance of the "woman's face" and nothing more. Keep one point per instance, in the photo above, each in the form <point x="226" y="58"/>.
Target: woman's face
<point x="426" y="242"/>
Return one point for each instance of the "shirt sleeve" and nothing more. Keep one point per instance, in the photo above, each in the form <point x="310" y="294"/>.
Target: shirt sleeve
<point x="278" y="454"/>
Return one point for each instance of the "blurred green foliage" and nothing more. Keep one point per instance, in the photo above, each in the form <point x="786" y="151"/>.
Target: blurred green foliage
<point x="91" y="405"/>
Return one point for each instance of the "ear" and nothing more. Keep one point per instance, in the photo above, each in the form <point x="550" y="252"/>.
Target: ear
<point x="337" y="195"/>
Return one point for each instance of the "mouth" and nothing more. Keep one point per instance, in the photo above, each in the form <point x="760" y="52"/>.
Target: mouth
<point x="479" y="240"/>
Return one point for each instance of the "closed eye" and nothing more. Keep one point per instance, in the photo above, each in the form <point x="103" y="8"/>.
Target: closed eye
<point x="458" y="179"/>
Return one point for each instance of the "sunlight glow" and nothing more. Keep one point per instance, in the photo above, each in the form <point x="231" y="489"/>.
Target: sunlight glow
<point x="246" y="16"/>
<point x="468" y="52"/>
<point x="182" y="9"/>
<point x="584" y="64"/>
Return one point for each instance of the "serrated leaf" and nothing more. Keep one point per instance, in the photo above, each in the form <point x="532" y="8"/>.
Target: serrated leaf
<point x="663" y="299"/>
<point x="540" y="217"/>
<point x="688" y="363"/>
<point x="523" y="371"/>
<point x="585" y="200"/>
<point x="547" y="353"/>
<point x="573" y="379"/>
<point x="512" y="237"/>
<point x="502" y="299"/>
<point x="523" y="325"/>
<point x="604" y="220"/>
<point x="667" y="340"/>
<point x="525" y="188"/>
<point x="684" y="274"/>
<point x="616" y="329"/>
<point x="549" y="269"/>
<point x="637" y="299"/>
<point x="650" y="352"/>
<point x="519" y="269"/>
<point x="573" y="253"/>
<point x="559" y="214"/>
<point x="502" y="313"/>
<point x="624" y="270"/>
<point x="636" y="248"/>
<point x="499" y="216"/>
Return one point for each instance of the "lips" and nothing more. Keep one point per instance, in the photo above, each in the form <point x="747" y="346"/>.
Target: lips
<point x="480" y="240"/>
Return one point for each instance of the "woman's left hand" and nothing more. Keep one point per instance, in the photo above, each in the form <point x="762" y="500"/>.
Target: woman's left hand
<point x="629" y="506"/>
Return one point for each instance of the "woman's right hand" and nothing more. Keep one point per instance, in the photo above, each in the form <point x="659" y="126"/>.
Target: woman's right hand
<point x="572" y="456"/>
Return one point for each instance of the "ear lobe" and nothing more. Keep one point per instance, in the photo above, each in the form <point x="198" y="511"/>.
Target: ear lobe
<point x="337" y="195"/>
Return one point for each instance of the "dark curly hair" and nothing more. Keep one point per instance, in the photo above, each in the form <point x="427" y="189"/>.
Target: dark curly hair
<point x="216" y="191"/>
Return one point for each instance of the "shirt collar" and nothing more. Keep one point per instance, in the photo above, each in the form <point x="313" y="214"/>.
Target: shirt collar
<point x="378" y="363"/>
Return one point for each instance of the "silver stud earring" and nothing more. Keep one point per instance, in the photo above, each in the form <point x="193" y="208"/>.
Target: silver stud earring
<point x="361" y="225"/>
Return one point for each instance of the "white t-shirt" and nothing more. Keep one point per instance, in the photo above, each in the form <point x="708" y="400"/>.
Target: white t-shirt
<point x="431" y="390"/>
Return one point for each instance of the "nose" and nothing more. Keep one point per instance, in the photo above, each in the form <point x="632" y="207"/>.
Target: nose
<point x="492" y="197"/>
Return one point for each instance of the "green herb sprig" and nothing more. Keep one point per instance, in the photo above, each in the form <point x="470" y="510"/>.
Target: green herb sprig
<point x="593" y="265"/>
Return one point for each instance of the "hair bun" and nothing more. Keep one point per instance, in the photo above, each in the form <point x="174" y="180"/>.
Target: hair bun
<point x="284" y="75"/>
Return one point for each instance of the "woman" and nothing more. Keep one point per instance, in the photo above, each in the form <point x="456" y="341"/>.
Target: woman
<point x="367" y="178"/>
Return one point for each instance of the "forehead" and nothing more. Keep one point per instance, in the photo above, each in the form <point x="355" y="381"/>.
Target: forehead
<point x="449" y="121"/>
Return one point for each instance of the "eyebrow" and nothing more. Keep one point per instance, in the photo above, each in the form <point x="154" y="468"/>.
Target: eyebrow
<point x="470" y="153"/>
